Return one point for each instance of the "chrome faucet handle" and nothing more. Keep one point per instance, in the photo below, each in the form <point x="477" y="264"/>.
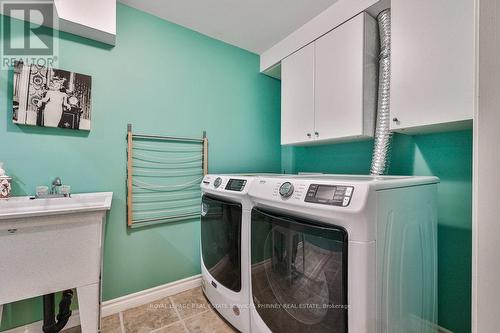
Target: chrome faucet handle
<point x="56" y="183"/>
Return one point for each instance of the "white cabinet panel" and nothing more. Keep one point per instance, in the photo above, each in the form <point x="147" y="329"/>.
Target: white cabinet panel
<point x="297" y="96"/>
<point x="329" y="87"/>
<point x="94" y="19"/>
<point x="346" y="61"/>
<point x="432" y="83"/>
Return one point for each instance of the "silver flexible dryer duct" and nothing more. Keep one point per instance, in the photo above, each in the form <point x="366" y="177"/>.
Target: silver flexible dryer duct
<point x="383" y="135"/>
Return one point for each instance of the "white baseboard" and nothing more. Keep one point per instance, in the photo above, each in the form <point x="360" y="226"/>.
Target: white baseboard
<point x="149" y="295"/>
<point x="416" y="324"/>
<point x="123" y="303"/>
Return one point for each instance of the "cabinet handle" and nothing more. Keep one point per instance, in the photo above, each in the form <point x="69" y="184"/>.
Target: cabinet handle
<point x="308" y="135"/>
<point x="316" y="133"/>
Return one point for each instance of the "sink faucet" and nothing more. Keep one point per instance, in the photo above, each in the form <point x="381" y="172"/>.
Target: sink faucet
<point x="54" y="191"/>
<point x="55" y="185"/>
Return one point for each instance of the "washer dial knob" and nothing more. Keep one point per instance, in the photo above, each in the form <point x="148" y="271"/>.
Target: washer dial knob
<point x="217" y="182"/>
<point x="286" y="189"/>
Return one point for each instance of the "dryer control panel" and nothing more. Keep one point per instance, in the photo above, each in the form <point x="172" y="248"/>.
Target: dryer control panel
<point x="335" y="195"/>
<point x="314" y="194"/>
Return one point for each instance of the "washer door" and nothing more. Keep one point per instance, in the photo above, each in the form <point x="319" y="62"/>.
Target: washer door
<point x="221" y="241"/>
<point x="299" y="274"/>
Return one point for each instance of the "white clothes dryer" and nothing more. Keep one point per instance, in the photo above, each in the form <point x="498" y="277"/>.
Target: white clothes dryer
<point x="343" y="254"/>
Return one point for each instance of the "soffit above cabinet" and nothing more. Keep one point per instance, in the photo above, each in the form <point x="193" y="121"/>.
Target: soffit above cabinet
<point x="93" y="19"/>
<point x="251" y="25"/>
<point x="334" y="16"/>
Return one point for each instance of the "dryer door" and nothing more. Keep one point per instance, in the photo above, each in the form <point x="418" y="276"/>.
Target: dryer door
<point x="221" y="241"/>
<point x="299" y="274"/>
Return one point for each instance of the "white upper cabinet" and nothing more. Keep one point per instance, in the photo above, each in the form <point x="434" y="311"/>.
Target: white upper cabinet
<point x="329" y="87"/>
<point x="432" y="85"/>
<point x="346" y="81"/>
<point x="297" y="96"/>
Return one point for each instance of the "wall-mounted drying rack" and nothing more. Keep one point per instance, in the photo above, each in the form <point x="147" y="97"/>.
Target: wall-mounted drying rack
<point x="163" y="177"/>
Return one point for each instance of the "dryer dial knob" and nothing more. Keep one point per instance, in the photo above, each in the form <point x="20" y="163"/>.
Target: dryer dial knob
<point x="217" y="182"/>
<point x="286" y="189"/>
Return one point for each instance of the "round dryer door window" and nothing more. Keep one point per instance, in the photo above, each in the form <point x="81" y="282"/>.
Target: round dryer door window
<point x="299" y="274"/>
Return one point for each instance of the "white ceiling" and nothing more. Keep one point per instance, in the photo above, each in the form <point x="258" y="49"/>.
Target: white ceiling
<point x="254" y="25"/>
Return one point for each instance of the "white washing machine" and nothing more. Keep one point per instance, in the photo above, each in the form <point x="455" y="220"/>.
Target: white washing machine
<point x="343" y="254"/>
<point x="225" y="227"/>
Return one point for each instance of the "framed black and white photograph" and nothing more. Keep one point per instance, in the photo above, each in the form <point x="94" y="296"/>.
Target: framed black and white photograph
<point x="50" y="97"/>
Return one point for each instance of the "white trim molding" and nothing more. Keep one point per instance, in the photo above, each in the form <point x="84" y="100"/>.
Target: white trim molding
<point x="338" y="13"/>
<point x="149" y="295"/>
<point x="123" y="303"/>
<point x="486" y="173"/>
<point x="418" y="324"/>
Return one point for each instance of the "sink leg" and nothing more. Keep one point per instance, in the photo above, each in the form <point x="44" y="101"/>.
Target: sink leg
<point x="88" y="307"/>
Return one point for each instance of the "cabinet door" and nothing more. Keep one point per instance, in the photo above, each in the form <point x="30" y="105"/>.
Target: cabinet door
<point x="342" y="64"/>
<point x="432" y="81"/>
<point x="297" y="96"/>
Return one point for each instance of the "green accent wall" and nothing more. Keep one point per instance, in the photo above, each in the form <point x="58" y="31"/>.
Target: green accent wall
<point x="445" y="155"/>
<point x="164" y="79"/>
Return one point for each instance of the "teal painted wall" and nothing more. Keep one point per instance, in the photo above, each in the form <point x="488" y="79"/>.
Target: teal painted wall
<point x="167" y="79"/>
<point x="163" y="79"/>
<point x="446" y="155"/>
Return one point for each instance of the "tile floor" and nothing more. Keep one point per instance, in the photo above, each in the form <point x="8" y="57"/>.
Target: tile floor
<point x="186" y="312"/>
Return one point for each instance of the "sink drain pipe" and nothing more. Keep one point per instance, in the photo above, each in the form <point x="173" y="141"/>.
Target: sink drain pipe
<point x="383" y="135"/>
<point x="50" y="325"/>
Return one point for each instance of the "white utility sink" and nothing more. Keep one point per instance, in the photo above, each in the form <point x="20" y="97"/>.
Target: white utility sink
<point x="19" y="207"/>
<point x="50" y="245"/>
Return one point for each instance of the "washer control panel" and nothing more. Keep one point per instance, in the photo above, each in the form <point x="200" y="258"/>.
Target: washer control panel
<point x="236" y="184"/>
<point x="334" y="195"/>
<point x="217" y="182"/>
